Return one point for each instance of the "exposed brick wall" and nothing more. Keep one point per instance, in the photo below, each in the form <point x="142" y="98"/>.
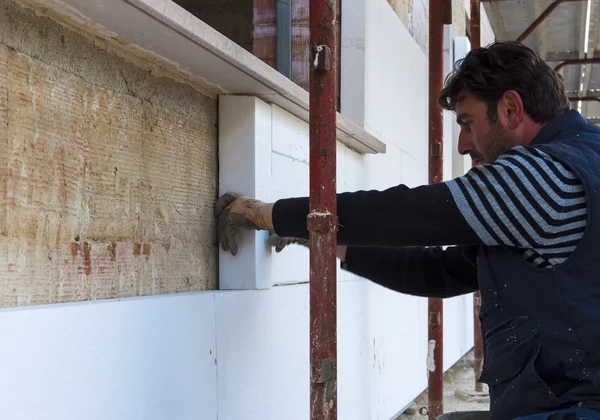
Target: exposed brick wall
<point x="107" y="173"/>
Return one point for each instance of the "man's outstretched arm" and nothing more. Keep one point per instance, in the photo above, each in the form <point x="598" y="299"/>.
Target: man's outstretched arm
<point x="417" y="271"/>
<point x="398" y="216"/>
<point x="525" y="200"/>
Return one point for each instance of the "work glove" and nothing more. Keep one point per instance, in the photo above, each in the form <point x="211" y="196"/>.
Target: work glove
<point x="279" y="243"/>
<point x="235" y="213"/>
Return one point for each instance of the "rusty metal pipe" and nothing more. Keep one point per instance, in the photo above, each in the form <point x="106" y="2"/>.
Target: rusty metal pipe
<point x="437" y="14"/>
<point x="475" y="24"/>
<point x="448" y="12"/>
<point x="322" y="220"/>
<point x="585" y="99"/>
<point x="541" y="18"/>
<point x="594" y="60"/>
<point x="475" y="30"/>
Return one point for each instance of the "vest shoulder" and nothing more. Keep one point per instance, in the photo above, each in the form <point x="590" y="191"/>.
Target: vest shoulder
<point x="582" y="139"/>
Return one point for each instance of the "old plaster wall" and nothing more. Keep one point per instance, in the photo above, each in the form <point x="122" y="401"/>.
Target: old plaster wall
<point x="107" y="172"/>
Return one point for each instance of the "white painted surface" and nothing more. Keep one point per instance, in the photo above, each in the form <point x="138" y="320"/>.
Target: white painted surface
<point x="263" y="354"/>
<point x="458" y="328"/>
<point x="215" y="355"/>
<point x="245" y="127"/>
<point x="353" y="55"/>
<point x="148" y="358"/>
<point x="396" y="92"/>
<point x="385" y="93"/>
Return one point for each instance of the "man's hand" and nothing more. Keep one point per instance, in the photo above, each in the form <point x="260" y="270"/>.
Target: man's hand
<point x="279" y="243"/>
<point x="235" y="213"/>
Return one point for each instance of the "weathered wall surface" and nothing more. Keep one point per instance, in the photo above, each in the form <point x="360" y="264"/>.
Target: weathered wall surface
<point x="107" y="173"/>
<point x="414" y="14"/>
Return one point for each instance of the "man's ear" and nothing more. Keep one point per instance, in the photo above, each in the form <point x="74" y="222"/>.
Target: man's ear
<point x="511" y="106"/>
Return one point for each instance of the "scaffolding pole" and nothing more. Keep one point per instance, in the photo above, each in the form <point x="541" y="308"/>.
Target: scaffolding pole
<point x="585" y="99"/>
<point x="437" y="16"/>
<point x="577" y="61"/>
<point x="322" y="219"/>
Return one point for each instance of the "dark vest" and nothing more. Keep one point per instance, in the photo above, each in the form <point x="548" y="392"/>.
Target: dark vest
<point x="541" y="327"/>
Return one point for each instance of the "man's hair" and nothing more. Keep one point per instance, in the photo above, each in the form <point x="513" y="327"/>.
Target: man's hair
<point x="487" y="73"/>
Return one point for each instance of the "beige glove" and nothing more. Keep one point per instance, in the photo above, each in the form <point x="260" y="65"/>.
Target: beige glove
<point x="279" y="243"/>
<point x="235" y="213"/>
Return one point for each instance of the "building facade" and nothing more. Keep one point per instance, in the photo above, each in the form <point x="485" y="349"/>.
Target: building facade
<point x="121" y="122"/>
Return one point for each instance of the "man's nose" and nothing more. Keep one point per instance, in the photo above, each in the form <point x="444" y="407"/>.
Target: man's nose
<point x="465" y="144"/>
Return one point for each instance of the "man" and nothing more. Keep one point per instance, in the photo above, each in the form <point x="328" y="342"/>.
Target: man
<point x="524" y="228"/>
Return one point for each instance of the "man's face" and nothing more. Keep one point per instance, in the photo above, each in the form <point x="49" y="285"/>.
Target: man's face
<point x="480" y="138"/>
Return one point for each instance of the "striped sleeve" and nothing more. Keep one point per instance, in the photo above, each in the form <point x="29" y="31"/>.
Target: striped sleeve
<point x="526" y="200"/>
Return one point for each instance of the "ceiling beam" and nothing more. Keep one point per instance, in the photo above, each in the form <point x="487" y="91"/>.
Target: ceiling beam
<point x="495" y="17"/>
<point x="577" y="62"/>
<point x="594" y="93"/>
<point x="585" y="98"/>
<point x="562" y="55"/>
<point x="542" y="17"/>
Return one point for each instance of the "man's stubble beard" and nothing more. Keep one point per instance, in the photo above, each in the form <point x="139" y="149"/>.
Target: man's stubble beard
<point x="500" y="141"/>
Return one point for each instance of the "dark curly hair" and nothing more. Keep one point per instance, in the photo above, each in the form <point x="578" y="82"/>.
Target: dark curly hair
<point x="487" y="73"/>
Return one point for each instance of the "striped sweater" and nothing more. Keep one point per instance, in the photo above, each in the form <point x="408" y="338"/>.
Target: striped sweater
<point x="526" y="200"/>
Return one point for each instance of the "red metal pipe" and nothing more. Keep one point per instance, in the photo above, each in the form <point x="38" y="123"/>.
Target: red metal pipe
<point x="585" y="99"/>
<point x="541" y="18"/>
<point x="475" y="31"/>
<point x="475" y="24"/>
<point x="322" y="220"/>
<point x="594" y="60"/>
<point x="448" y="19"/>
<point x="437" y="14"/>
